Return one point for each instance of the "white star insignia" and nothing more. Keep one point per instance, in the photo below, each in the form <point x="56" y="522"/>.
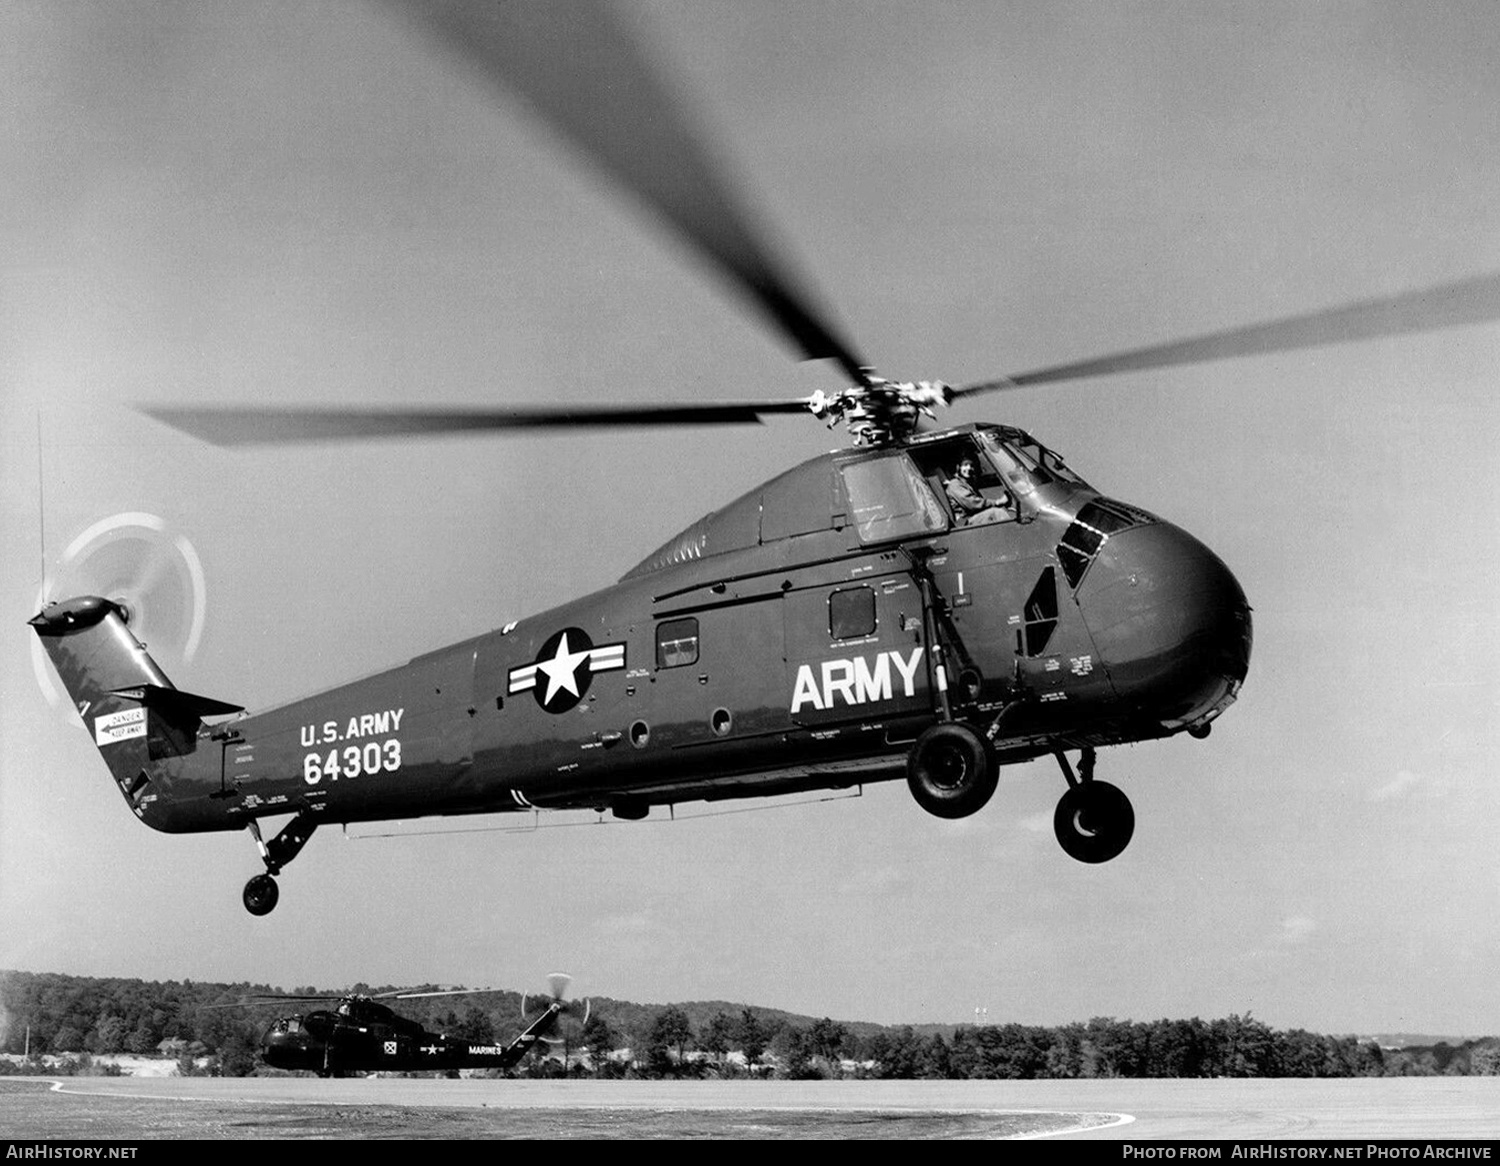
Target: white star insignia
<point x="562" y="669"/>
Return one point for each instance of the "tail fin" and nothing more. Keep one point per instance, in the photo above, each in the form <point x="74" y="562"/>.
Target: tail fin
<point x="138" y="718"/>
<point x="534" y="1032"/>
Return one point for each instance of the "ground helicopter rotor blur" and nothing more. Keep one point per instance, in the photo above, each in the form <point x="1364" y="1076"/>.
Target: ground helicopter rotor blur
<point x="359" y="1033"/>
<point x="570" y="1020"/>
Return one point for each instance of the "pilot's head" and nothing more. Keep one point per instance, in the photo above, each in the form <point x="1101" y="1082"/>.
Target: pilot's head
<point x="967" y="468"/>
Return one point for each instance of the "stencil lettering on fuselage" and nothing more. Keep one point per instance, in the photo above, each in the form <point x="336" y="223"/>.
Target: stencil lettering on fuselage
<point x="378" y="749"/>
<point x="855" y="681"/>
<point x="354" y="728"/>
<point x="119" y="726"/>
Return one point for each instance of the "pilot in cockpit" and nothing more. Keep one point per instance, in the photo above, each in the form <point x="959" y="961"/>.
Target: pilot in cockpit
<point x="970" y="507"/>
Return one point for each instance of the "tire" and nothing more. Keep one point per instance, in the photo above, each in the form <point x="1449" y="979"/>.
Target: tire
<point x="261" y="894"/>
<point x="1094" y="821"/>
<point x="951" y="771"/>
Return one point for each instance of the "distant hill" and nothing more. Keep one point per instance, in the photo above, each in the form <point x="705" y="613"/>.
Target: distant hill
<point x="49" y="1013"/>
<point x="700" y="1012"/>
<point x="1407" y="1040"/>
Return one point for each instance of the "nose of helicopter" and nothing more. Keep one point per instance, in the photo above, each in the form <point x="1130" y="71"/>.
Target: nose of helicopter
<point x="282" y="1048"/>
<point x="276" y="1050"/>
<point x="1170" y="622"/>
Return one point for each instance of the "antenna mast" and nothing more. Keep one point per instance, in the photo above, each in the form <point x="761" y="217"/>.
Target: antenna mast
<point x="41" y="503"/>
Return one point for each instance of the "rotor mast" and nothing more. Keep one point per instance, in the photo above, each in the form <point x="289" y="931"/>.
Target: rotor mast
<point x="879" y="412"/>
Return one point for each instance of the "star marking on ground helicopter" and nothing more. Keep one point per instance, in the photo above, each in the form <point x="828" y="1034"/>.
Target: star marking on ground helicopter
<point x="568" y="661"/>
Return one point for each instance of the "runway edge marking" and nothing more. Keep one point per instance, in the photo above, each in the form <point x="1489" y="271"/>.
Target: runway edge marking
<point x="1121" y="1119"/>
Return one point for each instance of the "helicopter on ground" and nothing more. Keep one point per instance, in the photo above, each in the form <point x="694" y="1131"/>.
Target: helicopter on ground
<point x="360" y="1034"/>
<point x="845" y="622"/>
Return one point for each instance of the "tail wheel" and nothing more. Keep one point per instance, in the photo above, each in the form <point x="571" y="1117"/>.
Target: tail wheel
<point x="1094" y="821"/>
<point x="261" y="894"/>
<point x="951" y="771"/>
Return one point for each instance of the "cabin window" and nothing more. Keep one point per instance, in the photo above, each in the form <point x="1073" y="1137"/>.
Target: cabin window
<point x="677" y="643"/>
<point x="851" y="613"/>
<point x="889" y="500"/>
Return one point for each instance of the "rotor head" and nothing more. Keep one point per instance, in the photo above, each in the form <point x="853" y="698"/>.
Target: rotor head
<point x="879" y="412"/>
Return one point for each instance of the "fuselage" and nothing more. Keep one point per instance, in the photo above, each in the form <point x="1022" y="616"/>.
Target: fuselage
<point x="799" y="638"/>
<point x="365" y="1036"/>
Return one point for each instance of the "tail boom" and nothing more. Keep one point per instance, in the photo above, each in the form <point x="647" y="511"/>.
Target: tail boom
<point x="143" y="726"/>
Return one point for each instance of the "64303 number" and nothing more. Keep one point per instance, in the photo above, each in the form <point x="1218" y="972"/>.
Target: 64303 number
<point x="352" y="761"/>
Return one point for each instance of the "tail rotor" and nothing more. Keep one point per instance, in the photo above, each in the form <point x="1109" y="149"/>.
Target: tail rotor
<point x="571" y="1017"/>
<point x="151" y="571"/>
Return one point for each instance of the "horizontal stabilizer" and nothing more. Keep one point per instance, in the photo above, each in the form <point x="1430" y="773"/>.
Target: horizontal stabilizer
<point x="173" y="702"/>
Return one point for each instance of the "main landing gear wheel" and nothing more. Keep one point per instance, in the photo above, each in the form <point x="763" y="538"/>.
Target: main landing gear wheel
<point x="951" y="771"/>
<point x="1094" y="821"/>
<point x="261" y="894"/>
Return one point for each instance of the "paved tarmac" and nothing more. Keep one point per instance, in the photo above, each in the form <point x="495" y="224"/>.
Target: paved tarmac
<point x="1361" y="1108"/>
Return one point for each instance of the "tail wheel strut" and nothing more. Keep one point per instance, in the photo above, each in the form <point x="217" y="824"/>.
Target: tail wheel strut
<point x="261" y="892"/>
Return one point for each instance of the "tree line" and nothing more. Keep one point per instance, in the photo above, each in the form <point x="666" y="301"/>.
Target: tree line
<point x="47" y="1013"/>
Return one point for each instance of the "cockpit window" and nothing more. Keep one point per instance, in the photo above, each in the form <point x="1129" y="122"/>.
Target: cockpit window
<point x="889" y="499"/>
<point x="965" y="476"/>
<point x="1025" y="463"/>
<point x="1091" y="530"/>
<point x="1017" y="475"/>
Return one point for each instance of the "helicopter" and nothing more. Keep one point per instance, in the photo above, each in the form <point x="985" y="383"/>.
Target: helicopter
<point x="360" y="1034"/>
<point x="841" y="624"/>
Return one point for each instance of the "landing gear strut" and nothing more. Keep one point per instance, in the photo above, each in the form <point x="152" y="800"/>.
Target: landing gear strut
<point x="951" y="770"/>
<point x="261" y="892"/>
<point x="1093" y="820"/>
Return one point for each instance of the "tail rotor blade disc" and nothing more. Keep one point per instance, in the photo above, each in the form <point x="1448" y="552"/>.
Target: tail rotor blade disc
<point x="137" y="560"/>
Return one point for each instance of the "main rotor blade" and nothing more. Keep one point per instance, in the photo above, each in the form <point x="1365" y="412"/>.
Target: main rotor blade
<point x="250" y="426"/>
<point x="1469" y="301"/>
<point x="575" y="65"/>
<point x="403" y="995"/>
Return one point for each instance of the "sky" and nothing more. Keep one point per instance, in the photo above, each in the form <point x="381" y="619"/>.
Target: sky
<point x="308" y="204"/>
